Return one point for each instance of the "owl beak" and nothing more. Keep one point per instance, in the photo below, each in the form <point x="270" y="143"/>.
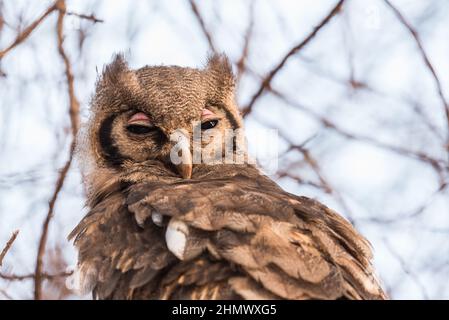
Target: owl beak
<point x="180" y="153"/>
<point x="185" y="169"/>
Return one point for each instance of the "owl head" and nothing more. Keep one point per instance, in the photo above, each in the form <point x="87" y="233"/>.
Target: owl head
<point x="179" y="116"/>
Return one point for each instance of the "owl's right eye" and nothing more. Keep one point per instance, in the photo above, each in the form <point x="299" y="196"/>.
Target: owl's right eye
<point x="140" y="123"/>
<point x="139" y="129"/>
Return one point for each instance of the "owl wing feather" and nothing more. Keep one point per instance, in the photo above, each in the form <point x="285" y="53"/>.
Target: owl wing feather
<point x="286" y="246"/>
<point x="115" y="254"/>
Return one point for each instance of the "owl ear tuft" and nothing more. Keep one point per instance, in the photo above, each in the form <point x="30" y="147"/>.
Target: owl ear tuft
<point x="221" y="68"/>
<point x="113" y="73"/>
<point x="118" y="85"/>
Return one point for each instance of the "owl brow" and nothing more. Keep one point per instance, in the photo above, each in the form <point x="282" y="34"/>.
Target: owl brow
<point x="229" y="115"/>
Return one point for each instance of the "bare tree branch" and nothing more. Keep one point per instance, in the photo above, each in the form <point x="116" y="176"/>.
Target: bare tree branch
<point x="32" y="276"/>
<point x="22" y="36"/>
<point x="202" y="24"/>
<point x="269" y="77"/>
<point x="74" y="106"/>
<point x="407" y="269"/>
<point x="439" y="164"/>
<point x="325" y="185"/>
<point x="241" y="63"/>
<point x="359" y="87"/>
<point x="8" y="246"/>
<point x="419" y="210"/>
<point x="90" y="17"/>
<point x="6" y="295"/>
<point x="74" y="119"/>
<point x="425" y="57"/>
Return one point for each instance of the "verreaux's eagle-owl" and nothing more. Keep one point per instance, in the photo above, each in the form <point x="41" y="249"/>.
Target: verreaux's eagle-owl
<point x="163" y="230"/>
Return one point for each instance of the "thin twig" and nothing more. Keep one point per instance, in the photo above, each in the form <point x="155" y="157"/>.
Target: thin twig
<point x="74" y="106"/>
<point x="90" y="17"/>
<point x="403" y="217"/>
<point x="44" y="235"/>
<point x="438" y="164"/>
<point x="406" y="269"/>
<point x="299" y="180"/>
<point x="31" y="276"/>
<point x="269" y="77"/>
<point x="326" y="186"/>
<point x="241" y="63"/>
<point x="425" y="57"/>
<point x="22" y="36"/>
<point x="74" y="119"/>
<point x="200" y="20"/>
<point x="8" y="246"/>
<point x="6" y="295"/>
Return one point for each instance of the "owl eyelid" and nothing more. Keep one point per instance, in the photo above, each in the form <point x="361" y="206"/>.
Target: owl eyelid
<point x="140" y="118"/>
<point x="206" y="113"/>
<point x="140" y="123"/>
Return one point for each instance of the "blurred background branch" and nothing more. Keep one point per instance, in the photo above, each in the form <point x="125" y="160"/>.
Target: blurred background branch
<point x="423" y="53"/>
<point x="8" y="246"/>
<point x="266" y="81"/>
<point x="75" y="123"/>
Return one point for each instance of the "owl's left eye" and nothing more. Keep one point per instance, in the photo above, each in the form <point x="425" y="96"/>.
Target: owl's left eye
<point x="209" y="124"/>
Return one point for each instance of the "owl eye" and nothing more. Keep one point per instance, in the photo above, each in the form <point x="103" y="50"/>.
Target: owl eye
<point x="139" y="129"/>
<point x="209" y="124"/>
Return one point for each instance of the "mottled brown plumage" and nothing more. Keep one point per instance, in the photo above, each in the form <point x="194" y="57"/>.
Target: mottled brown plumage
<point x="246" y="238"/>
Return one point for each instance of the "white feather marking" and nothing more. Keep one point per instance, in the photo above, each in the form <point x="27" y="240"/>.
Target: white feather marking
<point x="157" y="219"/>
<point x="176" y="237"/>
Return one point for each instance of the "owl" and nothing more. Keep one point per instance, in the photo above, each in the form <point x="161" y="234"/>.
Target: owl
<point x="168" y="220"/>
